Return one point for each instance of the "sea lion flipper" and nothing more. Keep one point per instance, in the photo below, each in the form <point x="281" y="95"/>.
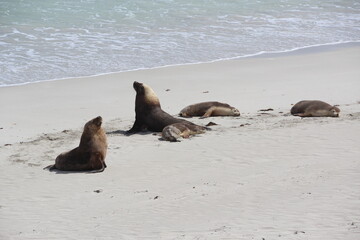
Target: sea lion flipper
<point x="103" y="166"/>
<point x="185" y="134"/>
<point x="135" y="128"/>
<point x="208" y="112"/>
<point x="50" y="167"/>
<point x="96" y="159"/>
<point x="97" y="170"/>
<point x="303" y="115"/>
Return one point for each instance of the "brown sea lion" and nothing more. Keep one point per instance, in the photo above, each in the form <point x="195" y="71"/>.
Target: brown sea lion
<point x="89" y="155"/>
<point x="314" y="108"/>
<point x="175" y="131"/>
<point x="148" y="112"/>
<point x="207" y="109"/>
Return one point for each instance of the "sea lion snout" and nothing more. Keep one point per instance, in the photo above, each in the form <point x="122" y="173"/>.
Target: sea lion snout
<point x="136" y="85"/>
<point x="98" y="121"/>
<point x="236" y="112"/>
<point x="139" y="87"/>
<point x="335" y="111"/>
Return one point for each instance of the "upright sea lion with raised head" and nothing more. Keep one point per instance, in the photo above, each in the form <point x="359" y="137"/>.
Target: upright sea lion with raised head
<point x="175" y="131"/>
<point x="209" y="109"/>
<point x="314" y="108"/>
<point x="148" y="112"/>
<point x="89" y="155"/>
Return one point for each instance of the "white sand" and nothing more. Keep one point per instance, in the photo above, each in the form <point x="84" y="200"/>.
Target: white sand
<point x="257" y="176"/>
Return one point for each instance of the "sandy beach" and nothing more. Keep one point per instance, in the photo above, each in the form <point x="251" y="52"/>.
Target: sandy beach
<point x="262" y="175"/>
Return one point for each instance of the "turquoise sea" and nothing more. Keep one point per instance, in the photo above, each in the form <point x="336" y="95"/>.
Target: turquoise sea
<point x="44" y="40"/>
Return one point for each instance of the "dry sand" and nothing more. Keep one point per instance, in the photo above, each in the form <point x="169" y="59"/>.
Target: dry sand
<point x="263" y="175"/>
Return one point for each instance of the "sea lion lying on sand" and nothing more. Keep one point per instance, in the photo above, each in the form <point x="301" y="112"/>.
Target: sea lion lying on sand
<point x="148" y="112"/>
<point x="174" y="131"/>
<point x="89" y="155"/>
<point x="207" y="109"/>
<point x="314" y="108"/>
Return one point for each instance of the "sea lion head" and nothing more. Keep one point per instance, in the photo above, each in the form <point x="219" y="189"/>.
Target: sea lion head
<point x="171" y="133"/>
<point x="235" y="111"/>
<point x="94" y="124"/>
<point x="335" y="111"/>
<point x="145" y="94"/>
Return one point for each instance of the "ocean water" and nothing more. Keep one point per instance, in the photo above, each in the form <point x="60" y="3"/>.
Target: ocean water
<point x="44" y="40"/>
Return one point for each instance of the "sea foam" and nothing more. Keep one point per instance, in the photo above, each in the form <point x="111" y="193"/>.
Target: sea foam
<point x="44" y="40"/>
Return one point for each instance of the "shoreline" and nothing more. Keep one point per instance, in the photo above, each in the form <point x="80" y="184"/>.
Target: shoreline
<point x="263" y="54"/>
<point x="266" y="75"/>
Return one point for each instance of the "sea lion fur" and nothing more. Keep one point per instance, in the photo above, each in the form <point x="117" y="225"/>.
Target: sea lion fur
<point x="314" y="108"/>
<point x="175" y="131"/>
<point x="209" y="109"/>
<point x="89" y="155"/>
<point x="148" y="112"/>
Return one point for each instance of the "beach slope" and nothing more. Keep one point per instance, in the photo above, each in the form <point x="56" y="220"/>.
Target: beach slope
<point x="262" y="175"/>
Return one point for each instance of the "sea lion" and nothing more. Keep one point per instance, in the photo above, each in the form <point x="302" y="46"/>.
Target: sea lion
<point x="89" y="155"/>
<point x="314" y="108"/>
<point x="148" y="112"/>
<point x="174" y="131"/>
<point x="207" y="109"/>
